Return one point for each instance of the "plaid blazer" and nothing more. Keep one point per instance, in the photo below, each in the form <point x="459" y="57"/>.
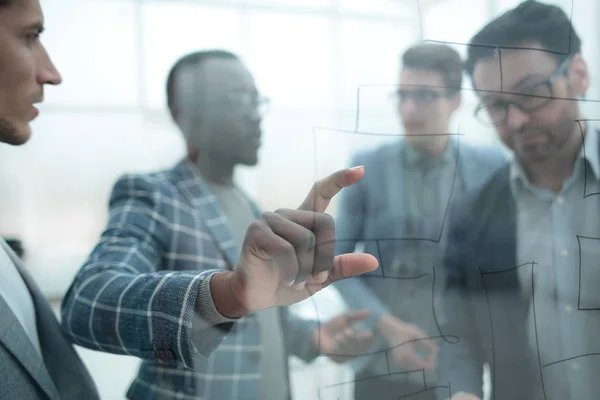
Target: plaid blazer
<point x="136" y="293"/>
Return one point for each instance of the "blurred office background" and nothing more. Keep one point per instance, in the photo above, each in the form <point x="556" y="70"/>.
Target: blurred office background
<point x="328" y="66"/>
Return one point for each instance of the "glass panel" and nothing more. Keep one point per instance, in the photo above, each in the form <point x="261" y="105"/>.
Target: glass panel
<point x="291" y="57"/>
<point x="369" y="60"/>
<point x="93" y="46"/>
<point x="288" y="146"/>
<point x="86" y="153"/>
<point x="376" y="7"/>
<point x="311" y="4"/>
<point x="445" y="21"/>
<point x="172" y="30"/>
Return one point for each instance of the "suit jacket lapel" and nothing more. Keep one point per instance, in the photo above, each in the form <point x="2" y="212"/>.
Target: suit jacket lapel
<point x="14" y="338"/>
<point x="496" y="228"/>
<point x="206" y="209"/>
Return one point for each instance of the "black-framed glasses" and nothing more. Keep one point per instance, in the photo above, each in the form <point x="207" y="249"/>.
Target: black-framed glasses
<point x="241" y="102"/>
<point x="422" y="96"/>
<point x="528" y="99"/>
<point x="246" y="102"/>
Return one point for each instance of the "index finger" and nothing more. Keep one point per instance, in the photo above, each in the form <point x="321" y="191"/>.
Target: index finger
<point x="355" y="316"/>
<point x="323" y="191"/>
<point x="431" y="355"/>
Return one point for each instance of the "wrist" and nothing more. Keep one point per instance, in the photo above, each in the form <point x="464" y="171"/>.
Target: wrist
<point x="383" y="321"/>
<point x="386" y="323"/>
<point x="226" y="295"/>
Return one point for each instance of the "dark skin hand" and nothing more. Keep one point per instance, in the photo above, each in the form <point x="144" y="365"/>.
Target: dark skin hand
<point x="288" y="255"/>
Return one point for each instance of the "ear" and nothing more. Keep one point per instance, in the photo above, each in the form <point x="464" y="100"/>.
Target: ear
<point x="192" y="152"/>
<point x="579" y="76"/>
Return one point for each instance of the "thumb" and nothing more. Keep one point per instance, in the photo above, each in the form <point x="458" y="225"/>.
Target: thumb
<point x="349" y="265"/>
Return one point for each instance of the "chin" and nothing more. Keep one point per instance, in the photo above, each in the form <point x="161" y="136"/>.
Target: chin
<point x="250" y="159"/>
<point x="534" y="155"/>
<point x="420" y="138"/>
<point x="13" y="134"/>
<point x="250" y="162"/>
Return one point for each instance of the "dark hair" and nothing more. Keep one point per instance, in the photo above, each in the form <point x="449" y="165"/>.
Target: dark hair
<point x="195" y="59"/>
<point x="440" y="58"/>
<point x="529" y="21"/>
<point x="6" y="2"/>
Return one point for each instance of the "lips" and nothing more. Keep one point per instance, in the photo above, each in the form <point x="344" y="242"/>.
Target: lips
<point x="531" y="137"/>
<point x="34" y="112"/>
<point x="256" y="141"/>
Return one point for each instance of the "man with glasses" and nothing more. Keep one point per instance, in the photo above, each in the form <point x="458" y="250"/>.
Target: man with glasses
<point x="398" y="213"/>
<point x="523" y="253"/>
<point x="135" y="294"/>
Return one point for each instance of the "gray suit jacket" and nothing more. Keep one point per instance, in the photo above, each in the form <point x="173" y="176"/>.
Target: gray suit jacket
<point x="372" y="212"/>
<point x="62" y="376"/>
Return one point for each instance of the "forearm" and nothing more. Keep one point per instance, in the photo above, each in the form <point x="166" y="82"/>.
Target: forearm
<point x="141" y="314"/>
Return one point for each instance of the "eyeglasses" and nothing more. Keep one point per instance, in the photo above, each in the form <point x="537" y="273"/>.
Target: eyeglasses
<point x="421" y="96"/>
<point x="529" y="99"/>
<point x="244" y="102"/>
<point x="241" y="102"/>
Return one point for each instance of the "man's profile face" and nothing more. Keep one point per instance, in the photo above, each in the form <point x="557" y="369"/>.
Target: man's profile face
<point x="228" y="124"/>
<point x="522" y="78"/>
<point x="423" y="103"/>
<point x="24" y="69"/>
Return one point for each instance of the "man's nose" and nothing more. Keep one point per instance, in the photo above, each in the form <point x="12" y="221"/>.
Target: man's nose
<point x="515" y="118"/>
<point x="48" y="73"/>
<point x="409" y="107"/>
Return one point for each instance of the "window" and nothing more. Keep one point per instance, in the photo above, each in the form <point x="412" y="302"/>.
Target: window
<point x="97" y="58"/>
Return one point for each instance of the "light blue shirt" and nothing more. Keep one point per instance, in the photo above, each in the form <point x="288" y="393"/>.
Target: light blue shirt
<point x="560" y="233"/>
<point x="14" y="291"/>
<point x="274" y="382"/>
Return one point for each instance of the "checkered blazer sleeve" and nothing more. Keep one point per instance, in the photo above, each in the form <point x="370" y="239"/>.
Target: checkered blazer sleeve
<point x="123" y="302"/>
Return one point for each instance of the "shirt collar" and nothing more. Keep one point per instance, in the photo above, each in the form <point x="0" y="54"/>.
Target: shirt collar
<point x="415" y="156"/>
<point x="588" y="152"/>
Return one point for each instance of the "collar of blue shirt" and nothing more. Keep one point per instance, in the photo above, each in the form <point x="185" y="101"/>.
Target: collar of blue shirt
<point x="413" y="155"/>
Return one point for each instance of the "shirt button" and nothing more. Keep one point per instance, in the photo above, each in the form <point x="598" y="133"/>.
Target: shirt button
<point x="568" y="308"/>
<point x="575" y="366"/>
<point x="564" y="252"/>
<point x="560" y="200"/>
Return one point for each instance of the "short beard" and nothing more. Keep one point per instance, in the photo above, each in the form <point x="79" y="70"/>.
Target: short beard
<point x="10" y="135"/>
<point x="561" y="135"/>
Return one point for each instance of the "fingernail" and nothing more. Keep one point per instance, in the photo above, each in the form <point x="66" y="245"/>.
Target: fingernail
<point x="322" y="276"/>
<point x="300" y="285"/>
<point x="290" y="283"/>
<point x="357" y="167"/>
